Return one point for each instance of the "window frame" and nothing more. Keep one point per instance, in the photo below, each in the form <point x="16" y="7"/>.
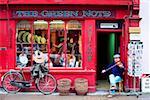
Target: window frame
<point x="48" y="44"/>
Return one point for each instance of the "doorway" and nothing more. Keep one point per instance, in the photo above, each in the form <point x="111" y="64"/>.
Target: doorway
<point x="107" y="45"/>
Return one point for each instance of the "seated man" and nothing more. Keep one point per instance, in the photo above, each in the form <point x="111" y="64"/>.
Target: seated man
<point x="115" y="72"/>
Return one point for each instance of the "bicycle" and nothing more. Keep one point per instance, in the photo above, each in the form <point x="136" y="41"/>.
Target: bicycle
<point x="13" y="81"/>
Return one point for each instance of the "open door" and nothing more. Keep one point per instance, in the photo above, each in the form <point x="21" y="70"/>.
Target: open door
<point x="107" y="45"/>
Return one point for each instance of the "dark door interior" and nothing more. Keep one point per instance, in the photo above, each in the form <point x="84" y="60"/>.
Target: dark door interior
<point x="107" y="45"/>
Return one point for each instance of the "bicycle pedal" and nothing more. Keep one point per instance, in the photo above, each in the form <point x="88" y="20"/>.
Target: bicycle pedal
<point x="28" y="85"/>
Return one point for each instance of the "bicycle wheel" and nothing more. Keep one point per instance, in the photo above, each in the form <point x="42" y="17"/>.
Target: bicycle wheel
<point x="8" y="78"/>
<point x="47" y="84"/>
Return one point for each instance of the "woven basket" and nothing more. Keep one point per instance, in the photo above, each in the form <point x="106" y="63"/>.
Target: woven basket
<point x="64" y="86"/>
<point x="81" y="86"/>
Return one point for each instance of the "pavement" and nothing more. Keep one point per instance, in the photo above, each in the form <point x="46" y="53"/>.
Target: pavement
<point x="50" y="97"/>
<point x="98" y="95"/>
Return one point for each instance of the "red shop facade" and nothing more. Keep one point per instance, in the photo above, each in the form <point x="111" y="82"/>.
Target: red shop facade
<point x="99" y="28"/>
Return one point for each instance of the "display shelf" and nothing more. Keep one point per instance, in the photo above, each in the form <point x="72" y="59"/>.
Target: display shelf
<point x="24" y="29"/>
<point x="40" y="29"/>
<point x="74" y="29"/>
<point x="24" y="43"/>
<point x="33" y="43"/>
<point x="21" y="52"/>
<point x="40" y="43"/>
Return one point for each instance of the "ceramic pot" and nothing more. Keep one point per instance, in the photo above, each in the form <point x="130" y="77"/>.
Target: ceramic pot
<point x="81" y="86"/>
<point x="64" y="86"/>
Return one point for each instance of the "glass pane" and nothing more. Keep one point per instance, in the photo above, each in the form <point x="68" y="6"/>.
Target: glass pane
<point x="57" y="44"/>
<point x="73" y="25"/>
<point x="40" y="37"/>
<point x="23" y="44"/>
<point x="74" y="44"/>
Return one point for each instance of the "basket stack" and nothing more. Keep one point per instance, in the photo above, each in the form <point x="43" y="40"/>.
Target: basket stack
<point x="64" y="86"/>
<point x="81" y="86"/>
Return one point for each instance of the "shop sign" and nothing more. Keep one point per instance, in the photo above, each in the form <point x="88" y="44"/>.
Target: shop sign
<point x="145" y="84"/>
<point x="64" y="14"/>
<point x="109" y="25"/>
<point x="134" y="30"/>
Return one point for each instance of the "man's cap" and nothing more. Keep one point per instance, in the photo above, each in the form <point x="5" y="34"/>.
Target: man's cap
<point x="116" y="56"/>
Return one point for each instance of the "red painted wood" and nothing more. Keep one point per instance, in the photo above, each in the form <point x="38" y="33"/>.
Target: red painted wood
<point x="7" y="40"/>
<point x="8" y="28"/>
<point x="109" y="30"/>
<point x="136" y="2"/>
<point x="89" y="48"/>
<point x="125" y="49"/>
<point x="96" y="2"/>
<point x="119" y="13"/>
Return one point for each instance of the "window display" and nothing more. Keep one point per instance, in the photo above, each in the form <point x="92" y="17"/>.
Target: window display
<point x="61" y="47"/>
<point x="23" y="46"/>
<point x="74" y="44"/>
<point x="57" y="35"/>
<point x="40" y="37"/>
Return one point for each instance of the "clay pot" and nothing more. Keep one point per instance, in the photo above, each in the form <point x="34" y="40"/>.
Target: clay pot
<point x="64" y="86"/>
<point x="81" y="86"/>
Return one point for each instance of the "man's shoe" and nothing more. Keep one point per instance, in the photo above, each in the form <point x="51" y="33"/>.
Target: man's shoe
<point x="110" y="96"/>
<point x="113" y="87"/>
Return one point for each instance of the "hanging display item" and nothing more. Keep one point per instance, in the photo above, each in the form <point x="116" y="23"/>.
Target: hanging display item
<point x="38" y="57"/>
<point x="38" y="39"/>
<point x="29" y="38"/>
<point x="24" y="37"/>
<point x="43" y="40"/>
<point x="20" y="36"/>
<point x="23" y="59"/>
<point x="135" y="53"/>
<point x="34" y="38"/>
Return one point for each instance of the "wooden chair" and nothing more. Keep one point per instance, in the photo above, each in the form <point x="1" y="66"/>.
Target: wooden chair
<point x="120" y="86"/>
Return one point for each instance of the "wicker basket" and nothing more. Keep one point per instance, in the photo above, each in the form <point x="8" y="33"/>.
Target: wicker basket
<point x="64" y="86"/>
<point x="81" y="86"/>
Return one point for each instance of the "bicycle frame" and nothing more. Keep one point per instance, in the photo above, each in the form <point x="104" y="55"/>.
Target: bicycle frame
<point x="22" y="73"/>
<point x="40" y="82"/>
<point x="24" y="78"/>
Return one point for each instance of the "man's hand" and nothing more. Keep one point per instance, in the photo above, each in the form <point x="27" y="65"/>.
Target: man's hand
<point x="121" y="65"/>
<point x="103" y="71"/>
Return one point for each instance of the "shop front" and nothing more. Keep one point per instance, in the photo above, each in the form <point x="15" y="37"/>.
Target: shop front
<point x="76" y="43"/>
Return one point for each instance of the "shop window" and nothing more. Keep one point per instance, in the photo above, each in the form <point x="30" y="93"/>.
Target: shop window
<point x="31" y="47"/>
<point x="23" y="44"/>
<point x="61" y="47"/>
<point x="74" y="44"/>
<point x="57" y="43"/>
<point x="40" y="44"/>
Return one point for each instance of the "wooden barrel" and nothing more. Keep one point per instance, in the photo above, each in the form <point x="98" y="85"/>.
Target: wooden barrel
<point x="81" y="86"/>
<point x="63" y="86"/>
